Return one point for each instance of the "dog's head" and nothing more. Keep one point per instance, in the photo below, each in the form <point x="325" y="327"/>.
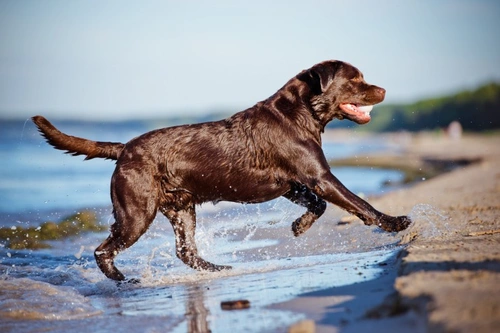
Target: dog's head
<point x="338" y="90"/>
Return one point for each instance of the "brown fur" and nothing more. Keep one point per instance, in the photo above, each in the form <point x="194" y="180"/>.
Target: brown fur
<point x="269" y="150"/>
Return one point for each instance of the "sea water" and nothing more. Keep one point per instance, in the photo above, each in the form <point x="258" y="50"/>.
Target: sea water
<point x="61" y="289"/>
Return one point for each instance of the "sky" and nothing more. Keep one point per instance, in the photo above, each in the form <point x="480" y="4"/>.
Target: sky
<point x="87" y="59"/>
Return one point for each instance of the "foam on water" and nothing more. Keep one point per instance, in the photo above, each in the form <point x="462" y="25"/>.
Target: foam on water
<point x="182" y="274"/>
<point x="27" y="299"/>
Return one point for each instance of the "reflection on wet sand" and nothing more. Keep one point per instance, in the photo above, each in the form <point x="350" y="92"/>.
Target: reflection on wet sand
<point x="196" y="312"/>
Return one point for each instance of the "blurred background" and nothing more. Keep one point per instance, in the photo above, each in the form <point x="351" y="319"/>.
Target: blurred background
<point x="119" y="60"/>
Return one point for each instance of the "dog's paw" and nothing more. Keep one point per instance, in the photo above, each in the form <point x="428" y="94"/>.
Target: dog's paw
<point x="404" y="222"/>
<point x="297" y="228"/>
<point x="218" y="268"/>
<point x="395" y="224"/>
<point x="128" y="282"/>
<point x="303" y="223"/>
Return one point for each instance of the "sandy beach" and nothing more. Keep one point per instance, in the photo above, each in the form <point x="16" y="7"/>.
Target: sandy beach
<point x="447" y="278"/>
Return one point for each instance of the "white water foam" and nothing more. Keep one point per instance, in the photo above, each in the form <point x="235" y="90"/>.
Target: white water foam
<point x="27" y="299"/>
<point x="182" y="274"/>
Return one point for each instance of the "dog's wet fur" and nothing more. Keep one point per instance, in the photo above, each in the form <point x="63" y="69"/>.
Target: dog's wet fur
<point x="269" y="150"/>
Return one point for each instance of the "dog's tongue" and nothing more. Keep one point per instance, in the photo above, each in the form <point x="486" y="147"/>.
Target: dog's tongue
<point x="357" y="113"/>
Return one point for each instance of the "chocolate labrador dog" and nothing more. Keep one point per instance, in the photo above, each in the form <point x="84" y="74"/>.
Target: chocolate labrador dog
<point x="269" y="150"/>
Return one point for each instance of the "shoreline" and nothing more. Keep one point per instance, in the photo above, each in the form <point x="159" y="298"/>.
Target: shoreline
<point x="447" y="278"/>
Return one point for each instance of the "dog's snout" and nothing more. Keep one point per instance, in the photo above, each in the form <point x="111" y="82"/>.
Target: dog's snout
<point x="379" y="92"/>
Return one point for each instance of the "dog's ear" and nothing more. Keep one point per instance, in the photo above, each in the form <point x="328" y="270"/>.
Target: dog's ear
<point x="319" y="77"/>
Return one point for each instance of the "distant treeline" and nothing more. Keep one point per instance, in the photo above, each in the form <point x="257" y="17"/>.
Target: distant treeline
<point x="476" y="110"/>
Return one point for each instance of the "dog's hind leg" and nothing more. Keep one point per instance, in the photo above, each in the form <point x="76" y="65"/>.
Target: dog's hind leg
<point x="184" y="223"/>
<point x="302" y="195"/>
<point x="135" y="208"/>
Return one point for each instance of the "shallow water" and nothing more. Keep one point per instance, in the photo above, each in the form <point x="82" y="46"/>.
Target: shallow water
<point x="45" y="291"/>
<point x="61" y="289"/>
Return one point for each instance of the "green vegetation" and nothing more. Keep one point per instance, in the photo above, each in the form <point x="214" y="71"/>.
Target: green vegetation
<point x="476" y="110"/>
<point x="35" y="238"/>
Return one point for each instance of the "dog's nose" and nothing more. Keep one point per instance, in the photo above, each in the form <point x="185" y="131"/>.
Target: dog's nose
<point x="380" y="93"/>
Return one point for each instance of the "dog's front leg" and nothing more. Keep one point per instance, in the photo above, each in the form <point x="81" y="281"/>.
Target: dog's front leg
<point x="332" y="190"/>
<point x="301" y="195"/>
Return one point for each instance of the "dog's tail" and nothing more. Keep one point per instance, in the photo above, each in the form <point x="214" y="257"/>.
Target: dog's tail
<point x="77" y="146"/>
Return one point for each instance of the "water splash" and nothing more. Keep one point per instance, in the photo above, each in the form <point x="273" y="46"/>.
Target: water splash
<point x="24" y="127"/>
<point x="428" y="222"/>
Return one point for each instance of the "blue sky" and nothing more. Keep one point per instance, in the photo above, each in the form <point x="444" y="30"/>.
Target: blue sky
<point x="129" y="59"/>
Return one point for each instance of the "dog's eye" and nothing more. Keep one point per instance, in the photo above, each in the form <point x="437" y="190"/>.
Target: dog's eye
<point x="358" y="78"/>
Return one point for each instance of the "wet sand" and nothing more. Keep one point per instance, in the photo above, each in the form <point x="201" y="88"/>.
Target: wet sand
<point x="447" y="278"/>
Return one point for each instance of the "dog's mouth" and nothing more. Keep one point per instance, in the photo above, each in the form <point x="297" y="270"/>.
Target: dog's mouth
<point x="356" y="112"/>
